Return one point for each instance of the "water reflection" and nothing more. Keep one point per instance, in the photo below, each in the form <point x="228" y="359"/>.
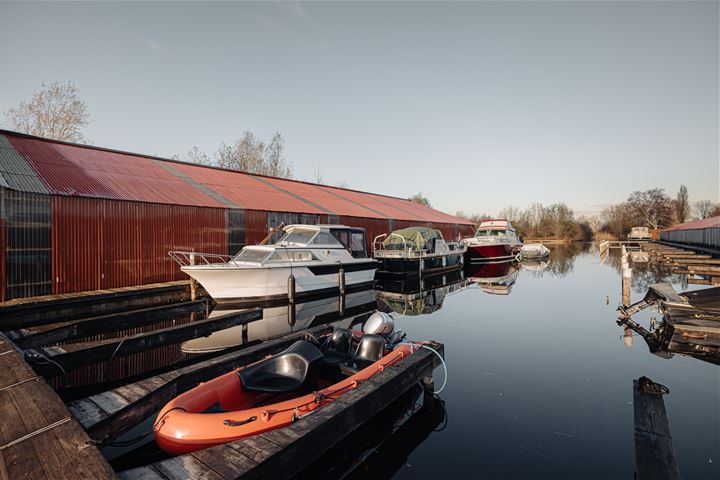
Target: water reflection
<point x="493" y="278"/>
<point x="644" y="271"/>
<point x="340" y="311"/>
<point x="418" y="295"/>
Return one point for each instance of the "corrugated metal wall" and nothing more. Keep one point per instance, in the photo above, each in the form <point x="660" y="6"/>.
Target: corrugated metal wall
<point x="705" y="237"/>
<point x="26" y="244"/>
<point x="104" y="243"/>
<point x="256" y="229"/>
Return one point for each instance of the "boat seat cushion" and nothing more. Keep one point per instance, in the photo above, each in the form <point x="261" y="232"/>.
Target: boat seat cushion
<point x="370" y="349"/>
<point x="338" y="347"/>
<point x="293" y="369"/>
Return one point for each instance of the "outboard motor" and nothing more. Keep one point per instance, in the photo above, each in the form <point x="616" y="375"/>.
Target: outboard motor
<point x="379" y="323"/>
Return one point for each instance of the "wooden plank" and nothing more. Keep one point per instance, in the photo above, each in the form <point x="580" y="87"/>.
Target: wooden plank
<point x="31" y="311"/>
<point x="110" y="402"/>
<point x="186" y="467"/>
<point x="131" y="392"/>
<point x="257" y="449"/>
<point x="142" y="473"/>
<point x="86" y="412"/>
<point x="225" y="461"/>
<point x="654" y="454"/>
<point x="107" y="323"/>
<point x="74" y="358"/>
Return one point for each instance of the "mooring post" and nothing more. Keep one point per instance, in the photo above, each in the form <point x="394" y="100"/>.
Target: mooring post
<point x="193" y="282"/>
<point x="341" y="281"/>
<point x="292" y="313"/>
<point x="628" y="336"/>
<point x="626" y="284"/>
<point x="428" y="384"/>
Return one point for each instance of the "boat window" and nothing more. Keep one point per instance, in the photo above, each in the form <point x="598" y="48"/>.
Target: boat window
<point x="298" y="236"/>
<point x="358" y="245"/>
<point x="490" y="233"/>
<point x="324" y="238"/>
<point x="292" y="256"/>
<point x="342" y="236"/>
<point x="250" y="255"/>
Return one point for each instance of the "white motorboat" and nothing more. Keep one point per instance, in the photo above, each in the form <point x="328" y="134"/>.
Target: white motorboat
<point x="494" y="241"/>
<point x="534" y="250"/>
<point x="308" y="260"/>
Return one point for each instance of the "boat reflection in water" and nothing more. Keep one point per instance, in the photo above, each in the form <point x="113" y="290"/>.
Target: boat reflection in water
<point x="341" y="311"/>
<point x="418" y="295"/>
<point x="535" y="265"/>
<point x="493" y="278"/>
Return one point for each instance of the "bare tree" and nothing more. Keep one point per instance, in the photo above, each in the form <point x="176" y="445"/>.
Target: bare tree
<point x="681" y="205"/>
<point x="56" y="111"/>
<point x="421" y="199"/>
<point x="704" y="209"/>
<point x="317" y="177"/>
<point x="194" y="155"/>
<point x="653" y="207"/>
<point x="250" y="154"/>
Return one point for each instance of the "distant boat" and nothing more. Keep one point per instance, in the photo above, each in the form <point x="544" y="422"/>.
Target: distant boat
<point x="494" y="240"/>
<point x="534" y="250"/>
<point x="310" y="259"/>
<point x="639" y="234"/>
<point x="416" y="251"/>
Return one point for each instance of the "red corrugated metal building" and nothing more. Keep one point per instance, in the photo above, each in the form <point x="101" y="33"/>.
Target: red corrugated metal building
<point x="77" y="217"/>
<point x="702" y="233"/>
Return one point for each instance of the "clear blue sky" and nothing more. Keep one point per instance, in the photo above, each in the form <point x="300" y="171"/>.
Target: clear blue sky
<point x="477" y="105"/>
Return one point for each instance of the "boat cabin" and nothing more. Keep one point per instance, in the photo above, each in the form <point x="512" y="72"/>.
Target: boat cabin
<point x="351" y="239"/>
<point x="495" y="228"/>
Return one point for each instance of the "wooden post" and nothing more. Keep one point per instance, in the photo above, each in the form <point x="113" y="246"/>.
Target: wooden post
<point x="428" y="384"/>
<point x="193" y="282"/>
<point x="628" y="337"/>
<point x="626" y="284"/>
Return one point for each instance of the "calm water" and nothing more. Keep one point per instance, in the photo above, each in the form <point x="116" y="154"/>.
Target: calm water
<point x="540" y="379"/>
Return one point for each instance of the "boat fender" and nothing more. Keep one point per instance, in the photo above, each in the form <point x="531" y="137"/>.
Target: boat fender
<point x="236" y="423"/>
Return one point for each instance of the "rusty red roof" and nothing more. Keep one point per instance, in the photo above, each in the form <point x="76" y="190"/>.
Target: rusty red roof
<point x="712" y="222"/>
<point x="89" y="171"/>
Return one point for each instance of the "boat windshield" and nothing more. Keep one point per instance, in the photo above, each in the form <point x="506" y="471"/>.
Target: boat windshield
<point x="301" y="237"/>
<point x="250" y="255"/>
<point x="292" y="256"/>
<point x="491" y="233"/>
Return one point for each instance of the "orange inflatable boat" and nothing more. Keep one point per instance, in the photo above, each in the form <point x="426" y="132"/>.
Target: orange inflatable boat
<point x="272" y="393"/>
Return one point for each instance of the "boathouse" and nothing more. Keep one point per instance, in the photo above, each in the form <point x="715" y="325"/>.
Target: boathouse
<point x="79" y="217"/>
<point x="700" y="233"/>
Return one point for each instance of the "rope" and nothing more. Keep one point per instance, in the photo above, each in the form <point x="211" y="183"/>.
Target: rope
<point x="19" y="383"/>
<point x="5" y="353"/>
<point x="118" y="348"/>
<point x="49" y="360"/>
<point x="442" y="360"/>
<point x="36" y="432"/>
<point x="648" y="387"/>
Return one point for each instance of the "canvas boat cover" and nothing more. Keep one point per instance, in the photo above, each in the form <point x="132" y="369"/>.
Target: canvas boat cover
<point x="415" y="237"/>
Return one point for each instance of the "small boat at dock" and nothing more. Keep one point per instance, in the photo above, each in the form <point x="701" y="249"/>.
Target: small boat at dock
<point x="417" y="251"/>
<point x="307" y="260"/>
<point x="494" y="241"/>
<point x="532" y="251"/>
<point x="277" y="391"/>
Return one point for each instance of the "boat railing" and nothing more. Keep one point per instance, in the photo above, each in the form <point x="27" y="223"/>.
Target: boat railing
<point x="379" y="247"/>
<point x="185" y="259"/>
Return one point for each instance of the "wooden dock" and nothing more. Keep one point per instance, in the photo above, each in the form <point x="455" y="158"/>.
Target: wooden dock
<point x="47" y="338"/>
<point x="282" y="453"/>
<point x="39" y="438"/>
<point x="701" y="265"/>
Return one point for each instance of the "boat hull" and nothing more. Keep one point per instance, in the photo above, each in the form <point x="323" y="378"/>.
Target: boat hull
<point x="420" y="266"/>
<point x="489" y="252"/>
<point x="236" y="286"/>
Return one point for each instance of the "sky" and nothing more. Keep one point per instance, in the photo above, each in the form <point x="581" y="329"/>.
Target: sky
<point x="478" y="105"/>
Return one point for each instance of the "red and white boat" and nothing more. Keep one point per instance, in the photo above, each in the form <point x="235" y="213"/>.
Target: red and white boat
<point x="494" y="241"/>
